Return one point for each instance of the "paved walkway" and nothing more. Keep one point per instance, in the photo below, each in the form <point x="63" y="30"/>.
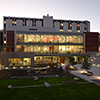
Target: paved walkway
<point x="95" y="78"/>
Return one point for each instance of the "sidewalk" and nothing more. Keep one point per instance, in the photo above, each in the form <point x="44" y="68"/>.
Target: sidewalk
<point x="95" y="78"/>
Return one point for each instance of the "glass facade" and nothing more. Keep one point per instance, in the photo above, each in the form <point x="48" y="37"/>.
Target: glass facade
<point x="55" y="59"/>
<point x="60" y="49"/>
<point x="46" y="59"/>
<point x="19" y="61"/>
<point x="50" y="43"/>
<point x="35" y="38"/>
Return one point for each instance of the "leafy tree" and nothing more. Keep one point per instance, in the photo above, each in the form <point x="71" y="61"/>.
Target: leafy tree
<point x="86" y="65"/>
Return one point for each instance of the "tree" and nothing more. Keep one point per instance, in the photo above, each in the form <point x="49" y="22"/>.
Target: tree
<point x="86" y="65"/>
<point x="72" y="60"/>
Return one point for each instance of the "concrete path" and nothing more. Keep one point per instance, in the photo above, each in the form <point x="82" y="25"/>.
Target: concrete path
<point x="94" y="69"/>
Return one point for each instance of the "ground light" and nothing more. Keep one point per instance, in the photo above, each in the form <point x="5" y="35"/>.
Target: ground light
<point x="98" y="65"/>
<point x="28" y="67"/>
<point x="6" y="68"/>
<point x="93" y="64"/>
<point x="21" y="67"/>
<point x="91" y="59"/>
<point x="98" y="77"/>
<point x="48" y="66"/>
<point x="83" y="71"/>
<point x="14" y="67"/>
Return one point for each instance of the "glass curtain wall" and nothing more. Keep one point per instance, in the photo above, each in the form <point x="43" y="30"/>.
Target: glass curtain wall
<point x="46" y="59"/>
<point x="51" y="48"/>
<point x="34" y="38"/>
<point x="19" y="61"/>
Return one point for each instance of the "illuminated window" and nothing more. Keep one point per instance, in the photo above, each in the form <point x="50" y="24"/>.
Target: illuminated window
<point x="23" y="23"/>
<point x="61" y="30"/>
<point x="4" y="22"/>
<point x="61" y="24"/>
<point x="15" y="22"/>
<point x="4" y="35"/>
<point x="84" y="25"/>
<point x="12" y="22"/>
<point x="5" y="42"/>
<point x="84" y="30"/>
<point x="70" y="25"/>
<point x="77" y="25"/>
<point x="19" y="62"/>
<point x="53" y="24"/>
<point x="4" y="28"/>
<point x="77" y="30"/>
<point x="69" y="30"/>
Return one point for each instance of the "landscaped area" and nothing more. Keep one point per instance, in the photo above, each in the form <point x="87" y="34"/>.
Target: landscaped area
<point x="86" y="91"/>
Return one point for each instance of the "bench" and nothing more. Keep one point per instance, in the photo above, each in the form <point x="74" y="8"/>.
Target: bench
<point x="69" y="82"/>
<point x="35" y="78"/>
<point x="47" y="84"/>
<point x="9" y="86"/>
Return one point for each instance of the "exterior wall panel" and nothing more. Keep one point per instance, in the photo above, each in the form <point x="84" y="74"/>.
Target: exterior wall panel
<point x="10" y="41"/>
<point x="91" y="41"/>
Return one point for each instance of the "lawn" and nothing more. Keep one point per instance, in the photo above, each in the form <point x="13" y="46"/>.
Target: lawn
<point x="62" y="92"/>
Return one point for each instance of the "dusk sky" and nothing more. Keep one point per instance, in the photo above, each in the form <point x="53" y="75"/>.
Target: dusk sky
<point x="59" y="9"/>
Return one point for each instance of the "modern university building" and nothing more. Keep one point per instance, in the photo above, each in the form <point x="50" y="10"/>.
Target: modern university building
<point x="33" y="41"/>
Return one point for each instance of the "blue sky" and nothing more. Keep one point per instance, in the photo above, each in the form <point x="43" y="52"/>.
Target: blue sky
<point x="59" y="9"/>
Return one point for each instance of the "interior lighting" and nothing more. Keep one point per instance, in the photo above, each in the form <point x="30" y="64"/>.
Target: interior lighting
<point x="61" y="24"/>
<point x="63" y="49"/>
<point x="15" y="22"/>
<point x="12" y="22"/>
<point x="4" y="22"/>
<point x="4" y="42"/>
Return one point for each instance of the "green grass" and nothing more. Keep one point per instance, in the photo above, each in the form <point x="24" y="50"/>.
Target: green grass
<point x="63" y="92"/>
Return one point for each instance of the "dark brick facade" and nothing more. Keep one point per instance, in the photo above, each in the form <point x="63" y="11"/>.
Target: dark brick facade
<point x="91" y="41"/>
<point x="10" y="41"/>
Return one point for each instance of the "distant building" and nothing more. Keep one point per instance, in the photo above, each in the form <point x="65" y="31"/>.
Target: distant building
<point x="50" y="40"/>
<point x="1" y="40"/>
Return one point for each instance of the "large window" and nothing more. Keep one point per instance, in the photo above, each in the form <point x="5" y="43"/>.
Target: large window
<point x="36" y="38"/>
<point x="19" y="61"/>
<point x="51" y="48"/>
<point x="46" y="59"/>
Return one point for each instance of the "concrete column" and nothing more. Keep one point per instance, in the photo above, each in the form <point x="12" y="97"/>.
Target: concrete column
<point x="65" y="26"/>
<point x="57" y="26"/>
<point x="29" y="23"/>
<point x="82" y="27"/>
<point x="73" y="27"/>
